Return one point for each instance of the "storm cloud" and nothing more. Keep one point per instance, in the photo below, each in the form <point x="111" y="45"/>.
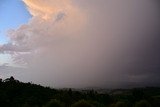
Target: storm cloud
<point x="83" y="43"/>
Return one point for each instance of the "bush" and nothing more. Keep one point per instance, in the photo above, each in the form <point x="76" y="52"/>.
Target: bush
<point x="82" y="103"/>
<point x="54" y="103"/>
<point x="143" y="103"/>
<point x="119" y="104"/>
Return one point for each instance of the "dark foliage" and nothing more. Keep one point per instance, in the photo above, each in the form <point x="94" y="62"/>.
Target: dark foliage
<point x="14" y="93"/>
<point x="82" y="103"/>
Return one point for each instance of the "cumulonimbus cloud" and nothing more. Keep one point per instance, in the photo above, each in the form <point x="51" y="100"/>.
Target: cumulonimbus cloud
<point x="50" y="19"/>
<point x="73" y="43"/>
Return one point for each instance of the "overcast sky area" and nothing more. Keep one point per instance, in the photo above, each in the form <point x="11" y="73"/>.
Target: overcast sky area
<point x="81" y="43"/>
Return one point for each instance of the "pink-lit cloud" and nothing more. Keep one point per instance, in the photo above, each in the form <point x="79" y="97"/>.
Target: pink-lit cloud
<point x="72" y="43"/>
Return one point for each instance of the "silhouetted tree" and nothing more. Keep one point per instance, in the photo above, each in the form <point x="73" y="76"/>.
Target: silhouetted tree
<point x="54" y="103"/>
<point x="0" y="80"/>
<point x="120" y="104"/>
<point x="9" y="79"/>
<point x="143" y="103"/>
<point x="137" y="94"/>
<point x="82" y="103"/>
<point x="18" y="94"/>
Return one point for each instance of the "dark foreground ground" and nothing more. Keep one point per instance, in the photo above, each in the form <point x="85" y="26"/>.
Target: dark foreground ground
<point x="14" y="93"/>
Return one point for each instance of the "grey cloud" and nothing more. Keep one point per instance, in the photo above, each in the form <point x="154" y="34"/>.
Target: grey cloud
<point x="7" y="71"/>
<point x="117" y="46"/>
<point x="11" y="48"/>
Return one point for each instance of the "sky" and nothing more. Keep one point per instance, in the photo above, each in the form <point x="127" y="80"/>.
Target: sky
<point x="81" y="43"/>
<point x="9" y="10"/>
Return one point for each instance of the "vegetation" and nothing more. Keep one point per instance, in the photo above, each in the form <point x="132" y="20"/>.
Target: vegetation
<point x="14" y="93"/>
<point x="143" y="103"/>
<point x="82" y="103"/>
<point x="54" y="103"/>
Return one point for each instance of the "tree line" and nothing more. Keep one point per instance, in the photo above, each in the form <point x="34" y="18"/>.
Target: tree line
<point x="14" y="93"/>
